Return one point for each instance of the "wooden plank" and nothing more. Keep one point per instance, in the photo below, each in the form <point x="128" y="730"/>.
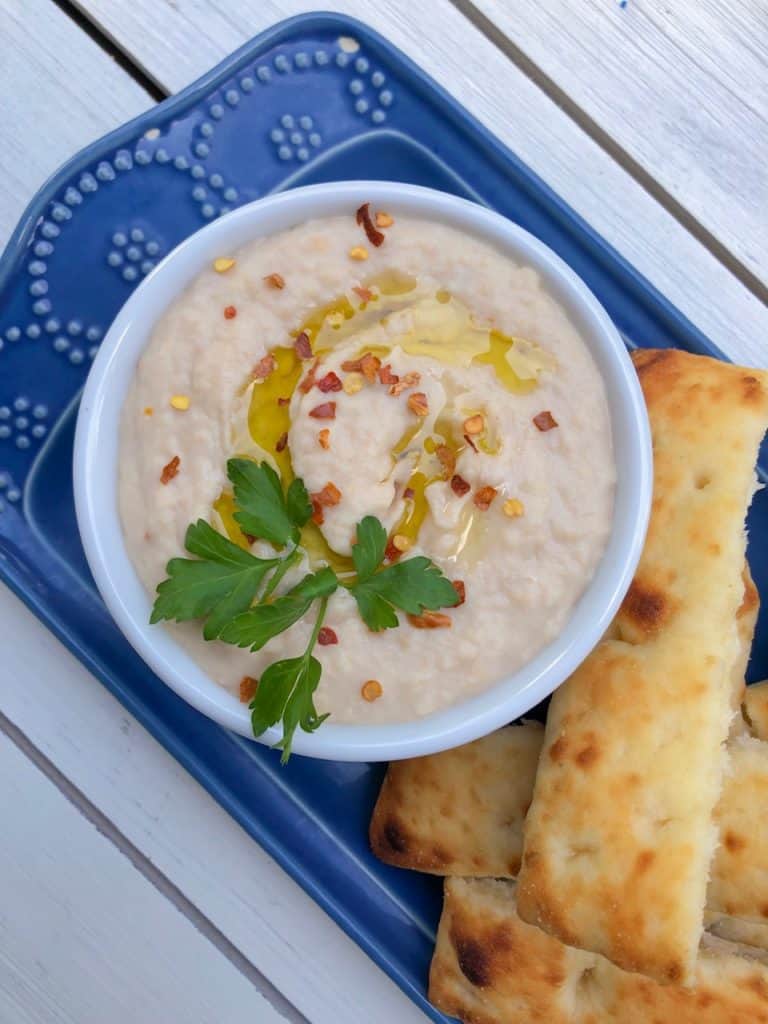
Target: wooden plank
<point x="85" y="937"/>
<point x="175" y="43"/>
<point x="159" y="808"/>
<point x="682" y="88"/>
<point x="59" y="92"/>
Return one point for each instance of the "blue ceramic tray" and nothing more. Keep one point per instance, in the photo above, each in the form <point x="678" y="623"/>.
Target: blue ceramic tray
<point x="292" y="107"/>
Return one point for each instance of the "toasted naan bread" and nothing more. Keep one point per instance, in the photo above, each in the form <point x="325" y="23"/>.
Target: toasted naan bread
<point x="755" y="707"/>
<point x="460" y="812"/>
<point x="620" y="836"/>
<point x="490" y="967"/>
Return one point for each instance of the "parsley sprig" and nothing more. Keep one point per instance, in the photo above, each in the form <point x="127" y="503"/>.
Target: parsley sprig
<point x="234" y="593"/>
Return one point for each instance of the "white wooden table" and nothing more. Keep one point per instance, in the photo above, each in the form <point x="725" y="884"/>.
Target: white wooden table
<point x="126" y="893"/>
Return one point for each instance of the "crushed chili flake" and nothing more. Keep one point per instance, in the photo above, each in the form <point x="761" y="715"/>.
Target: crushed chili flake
<point x="324" y="411"/>
<point x="329" y="496"/>
<point x="513" y="508"/>
<point x="351" y="365"/>
<point x="418" y="404"/>
<point x="459" y="485"/>
<point x="545" y="421"/>
<point x="327" y="636"/>
<point x="248" y="688"/>
<point x="148" y="410"/>
<point x="369" y="366"/>
<point x="474" y="424"/>
<point x="223" y="264"/>
<point x="318" y="518"/>
<point x="384" y="220"/>
<point x="330" y="382"/>
<point x="309" y="381"/>
<point x="363" y="218"/>
<point x="461" y="590"/>
<point x="358" y="252"/>
<point x="283" y="401"/>
<point x="275" y="280"/>
<point x="302" y="346"/>
<point x="282" y="441"/>
<point x="471" y="443"/>
<point x="371" y="690"/>
<point x="324" y="438"/>
<point x="264" y="367"/>
<point x="408" y="380"/>
<point x="250" y="538"/>
<point x="391" y="554"/>
<point x="170" y="470"/>
<point x="386" y="376"/>
<point x="230" y="312"/>
<point x="353" y="383"/>
<point x="363" y="293"/>
<point x="447" y="458"/>
<point x="408" y="493"/>
<point x="484" y="497"/>
<point x="431" y="620"/>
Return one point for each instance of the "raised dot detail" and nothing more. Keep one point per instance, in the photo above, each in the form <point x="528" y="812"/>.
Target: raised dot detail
<point x="284" y="153"/>
<point x="287" y="121"/>
<point x="40" y="411"/>
<point x="378" y="116"/>
<point x="202" y="149"/>
<point x="22" y="441"/>
<point x="342" y="60"/>
<point x="21" y="404"/>
<point x="133" y="253"/>
<point x="76" y="356"/>
<point x="41" y="307"/>
<point x="297" y="138"/>
<point x="141" y="156"/>
<point x="377" y="79"/>
<point x="207" y="210"/>
<point x="232" y="96"/>
<point x="50" y="230"/>
<point x="281" y="63"/>
<point x="361" y="106"/>
<point x="38" y="287"/>
<point x="94" y="333"/>
<point x="263" y="73"/>
<point x="385" y="98"/>
<point x="277" y="135"/>
<point x="147" y="265"/>
<point x="13" y="494"/>
<point x="137" y="235"/>
<point x="181" y="163"/>
<point x="198" y="171"/>
<point x="74" y="328"/>
<point x="302" y="153"/>
<point x="105" y="171"/>
<point x="88" y="183"/>
<point x="216" y="111"/>
<point x="13" y="334"/>
<point x="152" y="248"/>
<point x="114" y="259"/>
<point x="43" y="248"/>
<point x="162" y="156"/>
<point x="39" y="430"/>
<point x="33" y="331"/>
<point x="361" y="65"/>
<point x="21" y="422"/>
<point x="5" y="431"/>
<point x="123" y="160"/>
<point x="301" y="60"/>
<point x="5" y="414"/>
<point x="206" y="129"/>
<point x="72" y="197"/>
<point x="356" y="86"/>
<point x="230" y="194"/>
<point x="314" y="139"/>
<point x="247" y="83"/>
<point x="37" y="267"/>
<point x="215" y="180"/>
<point x="60" y="344"/>
<point x="52" y="325"/>
<point x="119" y="238"/>
<point x="130" y="273"/>
<point x="60" y="213"/>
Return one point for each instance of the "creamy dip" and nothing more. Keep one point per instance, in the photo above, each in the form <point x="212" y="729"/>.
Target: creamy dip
<point x="492" y="454"/>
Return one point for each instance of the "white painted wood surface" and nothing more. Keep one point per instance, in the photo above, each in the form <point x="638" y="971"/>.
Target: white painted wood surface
<point x="177" y="43"/>
<point x="126" y="893"/>
<point x="58" y="92"/>
<point x="64" y="887"/>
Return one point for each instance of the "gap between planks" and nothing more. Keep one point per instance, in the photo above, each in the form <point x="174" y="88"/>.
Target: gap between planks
<point x="110" y="45"/>
<point x="152" y="874"/>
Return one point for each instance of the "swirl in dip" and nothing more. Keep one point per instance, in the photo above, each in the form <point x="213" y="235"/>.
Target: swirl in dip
<point x="429" y="381"/>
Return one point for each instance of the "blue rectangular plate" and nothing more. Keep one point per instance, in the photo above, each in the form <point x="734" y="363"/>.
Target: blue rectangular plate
<point x="292" y="107"/>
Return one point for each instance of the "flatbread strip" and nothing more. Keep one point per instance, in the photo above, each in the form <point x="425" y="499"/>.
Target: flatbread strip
<point x="620" y="836"/>
<point x="756" y="709"/>
<point x="490" y="967"/>
<point x="461" y="813"/>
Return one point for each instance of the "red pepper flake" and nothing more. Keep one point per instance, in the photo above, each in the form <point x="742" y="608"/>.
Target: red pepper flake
<point x="447" y="459"/>
<point x="461" y="590"/>
<point x="369" y="366"/>
<point x="471" y="443"/>
<point x="318" y="518"/>
<point x="324" y="438"/>
<point x="459" y="485"/>
<point x="363" y="218"/>
<point x="309" y="381"/>
<point x="329" y="496"/>
<point x="250" y="538"/>
<point x="327" y="636"/>
<point x="330" y="382"/>
<point x="362" y="292"/>
<point x="275" y="280"/>
<point x="418" y="404"/>
<point x="283" y="401"/>
<point x="409" y="380"/>
<point x="386" y="376"/>
<point x="230" y="312"/>
<point x="170" y="470"/>
<point x="248" y="688"/>
<point x="484" y="497"/>
<point x="324" y="411"/>
<point x="408" y="493"/>
<point x="431" y="620"/>
<point x="391" y="553"/>
<point x="265" y="366"/>
<point x="545" y="421"/>
<point x="302" y="346"/>
<point x="282" y="441"/>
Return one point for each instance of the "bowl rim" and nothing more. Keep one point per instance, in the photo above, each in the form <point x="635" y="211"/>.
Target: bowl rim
<point x="95" y="466"/>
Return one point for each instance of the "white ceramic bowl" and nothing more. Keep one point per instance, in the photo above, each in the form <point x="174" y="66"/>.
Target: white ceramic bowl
<point x="96" y="469"/>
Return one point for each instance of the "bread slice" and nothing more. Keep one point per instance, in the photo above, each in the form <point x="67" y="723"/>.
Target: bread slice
<point x="460" y="812"/>
<point x="490" y="967"/>
<point x="755" y="707"/>
<point x="620" y="836"/>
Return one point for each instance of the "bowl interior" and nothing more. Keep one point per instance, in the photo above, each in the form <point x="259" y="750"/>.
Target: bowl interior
<point x="96" y="472"/>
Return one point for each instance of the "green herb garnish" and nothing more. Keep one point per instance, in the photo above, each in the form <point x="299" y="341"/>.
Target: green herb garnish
<point x="223" y="587"/>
